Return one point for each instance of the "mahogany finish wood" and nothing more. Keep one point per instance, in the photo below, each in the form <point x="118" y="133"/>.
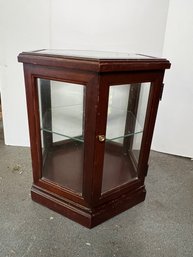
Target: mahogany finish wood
<point x="92" y="196"/>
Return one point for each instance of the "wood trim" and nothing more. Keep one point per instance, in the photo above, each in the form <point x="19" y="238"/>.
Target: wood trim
<point x="91" y="107"/>
<point x="91" y="64"/>
<point x="34" y="124"/>
<point x="151" y="114"/>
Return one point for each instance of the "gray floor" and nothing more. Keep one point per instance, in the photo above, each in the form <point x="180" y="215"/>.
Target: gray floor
<point x="161" y="226"/>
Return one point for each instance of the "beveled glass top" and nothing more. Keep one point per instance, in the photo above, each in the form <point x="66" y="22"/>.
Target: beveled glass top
<point x="92" y="54"/>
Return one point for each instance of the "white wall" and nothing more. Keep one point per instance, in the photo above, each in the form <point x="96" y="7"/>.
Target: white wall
<point x="24" y="25"/>
<point x="125" y="25"/>
<point x="174" y="127"/>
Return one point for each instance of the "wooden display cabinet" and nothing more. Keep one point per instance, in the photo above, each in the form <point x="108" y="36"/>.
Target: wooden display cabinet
<point x="91" y="120"/>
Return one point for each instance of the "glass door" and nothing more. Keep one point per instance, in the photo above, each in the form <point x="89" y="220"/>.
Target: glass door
<point x="127" y="106"/>
<point x="61" y="110"/>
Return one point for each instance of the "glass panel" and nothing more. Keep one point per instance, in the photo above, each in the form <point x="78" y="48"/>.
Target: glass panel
<point x="140" y="117"/>
<point x="61" y="107"/>
<point x="92" y="54"/>
<point x="125" y="123"/>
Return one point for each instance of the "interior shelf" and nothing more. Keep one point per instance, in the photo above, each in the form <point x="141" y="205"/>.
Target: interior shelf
<point x="71" y="126"/>
<point x="75" y="138"/>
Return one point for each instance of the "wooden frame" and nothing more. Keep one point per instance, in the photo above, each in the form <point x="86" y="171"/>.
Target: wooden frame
<point x="91" y="207"/>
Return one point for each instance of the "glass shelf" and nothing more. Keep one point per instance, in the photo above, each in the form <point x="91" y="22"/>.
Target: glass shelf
<point x="81" y="139"/>
<point x="78" y="138"/>
<point x="124" y="136"/>
<point x="66" y="122"/>
<point x="115" y="118"/>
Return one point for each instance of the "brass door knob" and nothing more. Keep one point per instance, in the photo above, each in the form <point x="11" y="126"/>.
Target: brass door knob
<point x="101" y="138"/>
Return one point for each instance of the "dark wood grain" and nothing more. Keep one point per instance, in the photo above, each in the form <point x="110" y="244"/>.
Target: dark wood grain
<point x="92" y="181"/>
<point x="90" y="64"/>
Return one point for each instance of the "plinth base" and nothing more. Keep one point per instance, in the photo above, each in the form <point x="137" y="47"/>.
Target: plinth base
<point x="88" y="217"/>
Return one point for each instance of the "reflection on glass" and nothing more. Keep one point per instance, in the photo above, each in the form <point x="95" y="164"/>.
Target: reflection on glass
<point x="140" y="118"/>
<point x="92" y="54"/>
<point x="61" y="107"/>
<point x="125" y="124"/>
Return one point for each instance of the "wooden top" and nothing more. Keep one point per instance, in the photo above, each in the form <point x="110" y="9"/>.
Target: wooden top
<point x="96" y="61"/>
